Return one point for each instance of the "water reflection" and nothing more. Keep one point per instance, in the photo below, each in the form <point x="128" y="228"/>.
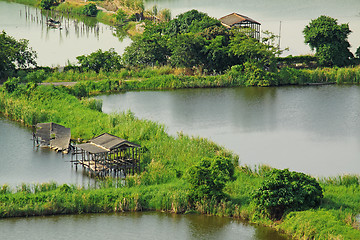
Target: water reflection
<point x="301" y="128"/>
<point x="21" y="162"/>
<point x="56" y="46"/>
<point x="148" y="225"/>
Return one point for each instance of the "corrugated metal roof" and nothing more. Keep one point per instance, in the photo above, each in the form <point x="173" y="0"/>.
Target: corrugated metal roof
<point x="105" y="143"/>
<point x="233" y="18"/>
<point x="91" y="148"/>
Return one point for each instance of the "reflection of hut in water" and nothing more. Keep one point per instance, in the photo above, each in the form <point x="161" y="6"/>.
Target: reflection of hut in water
<point x="108" y="155"/>
<point x="52" y="135"/>
<point x="249" y="26"/>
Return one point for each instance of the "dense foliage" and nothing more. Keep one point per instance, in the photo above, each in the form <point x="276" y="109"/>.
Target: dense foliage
<point x="284" y="191"/>
<point x="89" y="10"/>
<point x="99" y="60"/>
<point x="14" y="54"/>
<point x="194" y="39"/>
<point x="47" y="4"/>
<point x="329" y="40"/>
<point x="209" y="177"/>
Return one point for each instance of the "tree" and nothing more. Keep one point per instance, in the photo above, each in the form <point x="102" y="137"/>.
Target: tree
<point x="186" y="50"/>
<point x="357" y="53"/>
<point x="147" y="50"/>
<point x="14" y="54"/>
<point x="329" y="40"/>
<point x="90" y="10"/>
<point x="284" y="191"/>
<point x="208" y="178"/>
<point x="248" y="49"/>
<point x="47" y="4"/>
<point x="107" y="61"/>
<point x="121" y="16"/>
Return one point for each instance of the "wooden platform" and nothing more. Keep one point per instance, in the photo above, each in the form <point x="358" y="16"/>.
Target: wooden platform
<point x="53" y="135"/>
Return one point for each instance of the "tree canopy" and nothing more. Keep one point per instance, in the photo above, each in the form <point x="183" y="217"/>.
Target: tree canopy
<point x="14" y="54"/>
<point x="329" y="39"/>
<point x="194" y="39"/>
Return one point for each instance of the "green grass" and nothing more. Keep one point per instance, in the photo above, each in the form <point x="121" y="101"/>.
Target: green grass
<point x="164" y="161"/>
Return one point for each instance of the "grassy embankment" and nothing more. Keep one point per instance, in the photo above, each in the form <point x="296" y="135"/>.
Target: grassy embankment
<point x="161" y="186"/>
<point x="173" y="78"/>
<point x="74" y="8"/>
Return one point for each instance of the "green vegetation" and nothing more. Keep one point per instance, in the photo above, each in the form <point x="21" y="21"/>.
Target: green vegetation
<point x="208" y="178"/>
<point x="14" y="54"/>
<point x="47" y="4"/>
<point x="329" y="40"/>
<point x="195" y="40"/>
<point x="169" y="180"/>
<point x="284" y="191"/>
<point x="99" y="60"/>
<point x="89" y="10"/>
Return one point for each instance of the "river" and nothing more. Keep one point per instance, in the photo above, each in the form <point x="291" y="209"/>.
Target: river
<point x="308" y="129"/>
<point x="54" y="46"/>
<point x="147" y="225"/>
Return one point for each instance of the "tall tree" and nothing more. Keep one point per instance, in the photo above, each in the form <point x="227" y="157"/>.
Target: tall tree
<point x="14" y="54"/>
<point x="329" y="39"/>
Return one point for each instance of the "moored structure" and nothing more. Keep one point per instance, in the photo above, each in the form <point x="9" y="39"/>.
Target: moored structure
<point x="106" y="155"/>
<point x="249" y="26"/>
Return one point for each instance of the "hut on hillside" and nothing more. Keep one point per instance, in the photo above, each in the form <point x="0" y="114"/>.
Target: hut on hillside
<point x="107" y="154"/>
<point x="250" y="26"/>
<point x="52" y="135"/>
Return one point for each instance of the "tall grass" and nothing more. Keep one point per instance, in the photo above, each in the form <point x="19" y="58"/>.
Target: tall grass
<point x="164" y="160"/>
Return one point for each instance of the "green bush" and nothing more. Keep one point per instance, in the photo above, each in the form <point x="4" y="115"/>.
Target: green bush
<point x="283" y="191"/>
<point x="47" y="4"/>
<point x="208" y="178"/>
<point x="90" y="10"/>
<point x="107" y="61"/>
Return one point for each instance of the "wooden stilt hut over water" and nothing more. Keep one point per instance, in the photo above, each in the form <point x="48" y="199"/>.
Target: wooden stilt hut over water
<point x="107" y="155"/>
<point x="249" y="26"/>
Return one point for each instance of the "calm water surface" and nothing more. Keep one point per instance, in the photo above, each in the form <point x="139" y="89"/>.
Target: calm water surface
<point x="54" y="46"/>
<point x="309" y="129"/>
<point x="21" y="162"/>
<point x="294" y="16"/>
<point x="148" y="225"/>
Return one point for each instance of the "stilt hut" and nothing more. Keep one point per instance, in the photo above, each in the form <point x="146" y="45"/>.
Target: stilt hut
<point x="250" y="26"/>
<point x="52" y="135"/>
<point x="107" y="154"/>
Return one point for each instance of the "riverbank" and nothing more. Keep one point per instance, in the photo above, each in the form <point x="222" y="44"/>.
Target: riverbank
<point x="158" y="78"/>
<point x="161" y="187"/>
<point x="74" y="9"/>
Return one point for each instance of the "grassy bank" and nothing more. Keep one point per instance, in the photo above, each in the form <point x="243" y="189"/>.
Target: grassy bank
<point x="161" y="186"/>
<point x="172" y="78"/>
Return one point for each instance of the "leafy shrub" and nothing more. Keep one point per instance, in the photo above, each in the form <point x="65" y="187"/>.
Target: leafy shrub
<point x="107" y="61"/>
<point x="47" y="4"/>
<point x="208" y="178"/>
<point x="11" y="84"/>
<point x="89" y="10"/>
<point x="283" y="191"/>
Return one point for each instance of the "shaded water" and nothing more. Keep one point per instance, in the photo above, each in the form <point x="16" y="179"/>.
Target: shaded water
<point x="293" y="15"/>
<point x="21" y="162"/>
<point x="58" y="46"/>
<point x="148" y="225"/>
<point x="309" y="129"/>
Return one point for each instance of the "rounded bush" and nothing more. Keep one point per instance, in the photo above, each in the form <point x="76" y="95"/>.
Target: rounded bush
<point x="283" y="191"/>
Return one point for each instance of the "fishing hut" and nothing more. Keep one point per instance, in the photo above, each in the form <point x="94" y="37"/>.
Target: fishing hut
<point x="107" y="155"/>
<point x="52" y="135"/>
<point x="249" y="26"/>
